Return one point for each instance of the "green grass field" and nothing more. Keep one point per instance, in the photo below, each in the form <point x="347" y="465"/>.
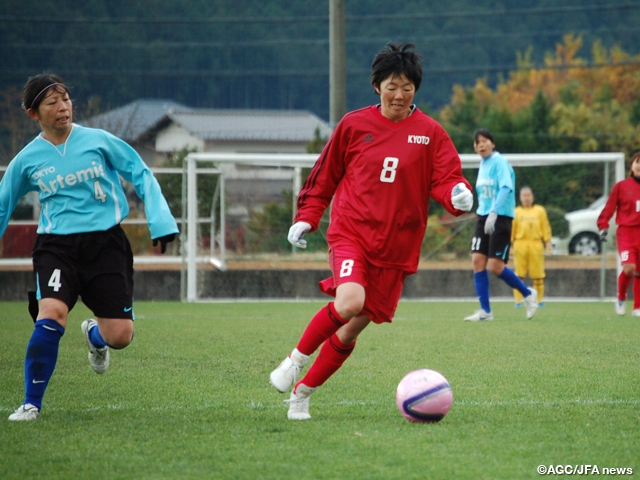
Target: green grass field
<point x="190" y="398"/>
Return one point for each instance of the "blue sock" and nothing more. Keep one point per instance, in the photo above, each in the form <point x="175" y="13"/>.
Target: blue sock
<point x="511" y="279"/>
<point x="481" y="280"/>
<point x="41" y="358"/>
<point x="96" y="339"/>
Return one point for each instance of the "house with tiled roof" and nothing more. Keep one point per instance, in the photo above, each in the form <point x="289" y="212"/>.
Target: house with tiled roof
<point x="136" y="123"/>
<point x="241" y="131"/>
<point x="157" y="128"/>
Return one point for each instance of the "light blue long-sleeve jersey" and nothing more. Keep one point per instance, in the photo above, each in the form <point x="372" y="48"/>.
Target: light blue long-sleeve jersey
<point x="79" y="187"/>
<point x="495" y="173"/>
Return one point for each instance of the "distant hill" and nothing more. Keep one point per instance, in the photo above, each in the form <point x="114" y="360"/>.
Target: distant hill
<point x="274" y="54"/>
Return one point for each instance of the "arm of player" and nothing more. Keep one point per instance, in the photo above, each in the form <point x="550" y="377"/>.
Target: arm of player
<point x="133" y="169"/>
<point x="609" y="209"/>
<point x="501" y="198"/>
<point x="546" y="226"/>
<point x="322" y="182"/>
<point x="13" y="187"/>
<point x="446" y="172"/>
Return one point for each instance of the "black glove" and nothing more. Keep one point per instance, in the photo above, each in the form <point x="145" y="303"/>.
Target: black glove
<point x="603" y="235"/>
<point x="163" y="241"/>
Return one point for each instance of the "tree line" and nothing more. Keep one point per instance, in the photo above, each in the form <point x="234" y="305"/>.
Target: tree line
<point x="275" y="54"/>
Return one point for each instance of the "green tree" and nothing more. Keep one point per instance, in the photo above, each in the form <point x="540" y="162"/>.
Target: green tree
<point x="634" y="114"/>
<point x="267" y="228"/>
<point x="540" y="122"/>
<point x="317" y="144"/>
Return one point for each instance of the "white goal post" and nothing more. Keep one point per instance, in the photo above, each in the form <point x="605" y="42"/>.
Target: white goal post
<point x="196" y="163"/>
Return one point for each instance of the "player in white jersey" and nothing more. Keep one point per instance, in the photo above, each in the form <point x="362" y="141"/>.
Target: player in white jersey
<point x="81" y="250"/>
<point x="490" y="244"/>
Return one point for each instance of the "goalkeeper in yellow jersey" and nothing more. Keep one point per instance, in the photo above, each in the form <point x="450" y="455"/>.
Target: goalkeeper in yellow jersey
<point x="530" y="234"/>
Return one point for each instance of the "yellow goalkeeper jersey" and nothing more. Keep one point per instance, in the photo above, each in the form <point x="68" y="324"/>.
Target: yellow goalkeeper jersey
<point x="531" y="224"/>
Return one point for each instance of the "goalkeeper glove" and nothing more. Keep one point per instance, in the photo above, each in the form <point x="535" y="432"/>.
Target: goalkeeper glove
<point x="163" y="241"/>
<point x="296" y="232"/>
<point x="490" y="224"/>
<point x="461" y="197"/>
<point x="603" y="235"/>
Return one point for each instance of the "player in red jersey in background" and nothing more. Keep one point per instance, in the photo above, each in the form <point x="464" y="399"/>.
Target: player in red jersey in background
<point x="380" y="167"/>
<point x="624" y="201"/>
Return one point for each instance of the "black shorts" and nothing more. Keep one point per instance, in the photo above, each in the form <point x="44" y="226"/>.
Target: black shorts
<point x="97" y="266"/>
<point x="495" y="245"/>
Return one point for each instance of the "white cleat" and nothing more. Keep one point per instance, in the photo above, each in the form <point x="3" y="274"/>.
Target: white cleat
<point x="636" y="312"/>
<point x="621" y="307"/>
<point x="286" y="375"/>
<point x="531" y="303"/>
<point x="25" y="412"/>
<point x="479" y="316"/>
<point x="299" y="403"/>
<point x="98" y="357"/>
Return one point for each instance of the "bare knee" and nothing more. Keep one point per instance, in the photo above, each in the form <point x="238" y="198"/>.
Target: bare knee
<point x="120" y="341"/>
<point x="495" y="266"/>
<point x="54" y="309"/>
<point x="117" y="333"/>
<point x="348" y="308"/>
<point x="479" y="262"/>
<point x="629" y="269"/>
<point x="349" y="300"/>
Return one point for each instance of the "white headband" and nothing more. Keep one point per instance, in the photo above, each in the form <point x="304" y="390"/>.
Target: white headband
<point x="44" y="90"/>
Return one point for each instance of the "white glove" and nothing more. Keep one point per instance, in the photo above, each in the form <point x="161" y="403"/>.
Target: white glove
<point x="461" y="197"/>
<point x="296" y="232"/>
<point x="490" y="224"/>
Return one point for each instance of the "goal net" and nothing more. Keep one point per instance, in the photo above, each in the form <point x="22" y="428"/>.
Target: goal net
<point x="241" y="219"/>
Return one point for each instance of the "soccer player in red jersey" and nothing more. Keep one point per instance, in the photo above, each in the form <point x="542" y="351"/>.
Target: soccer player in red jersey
<point x="624" y="201"/>
<point x="379" y="168"/>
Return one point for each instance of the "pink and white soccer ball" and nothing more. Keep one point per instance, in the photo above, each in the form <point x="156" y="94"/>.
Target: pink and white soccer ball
<point x="424" y="396"/>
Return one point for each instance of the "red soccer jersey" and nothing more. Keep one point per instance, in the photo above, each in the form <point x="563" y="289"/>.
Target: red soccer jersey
<point x="382" y="174"/>
<point x="624" y="201"/>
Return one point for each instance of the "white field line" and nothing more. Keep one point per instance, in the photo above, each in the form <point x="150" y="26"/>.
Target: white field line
<point x="276" y="404"/>
<point x="407" y="300"/>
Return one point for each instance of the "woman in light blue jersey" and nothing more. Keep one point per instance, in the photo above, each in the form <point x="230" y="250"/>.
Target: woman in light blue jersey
<point x="495" y="188"/>
<point x="80" y="250"/>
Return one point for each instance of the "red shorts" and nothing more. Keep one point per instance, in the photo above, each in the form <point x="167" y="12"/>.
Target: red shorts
<point x="628" y="241"/>
<point x="382" y="286"/>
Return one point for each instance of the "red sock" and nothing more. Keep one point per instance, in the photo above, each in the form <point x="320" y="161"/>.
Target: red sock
<point x="636" y="292"/>
<point x="324" y="324"/>
<point x="623" y="285"/>
<point x="331" y="357"/>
